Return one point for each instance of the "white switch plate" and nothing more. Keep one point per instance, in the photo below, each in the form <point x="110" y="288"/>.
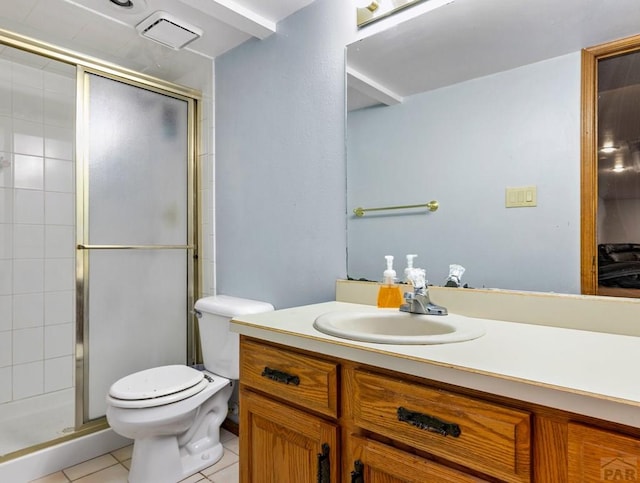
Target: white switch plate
<point x="521" y="196"/>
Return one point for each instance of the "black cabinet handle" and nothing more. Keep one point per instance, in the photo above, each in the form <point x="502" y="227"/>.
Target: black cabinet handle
<point x="357" y="475"/>
<point x="280" y="376"/>
<point x="430" y="423"/>
<point x="324" y="465"/>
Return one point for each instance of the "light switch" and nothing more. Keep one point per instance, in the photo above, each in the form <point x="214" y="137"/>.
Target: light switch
<point x="521" y="196"/>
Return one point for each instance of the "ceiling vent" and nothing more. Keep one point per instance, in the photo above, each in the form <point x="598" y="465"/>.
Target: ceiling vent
<point x="168" y="30"/>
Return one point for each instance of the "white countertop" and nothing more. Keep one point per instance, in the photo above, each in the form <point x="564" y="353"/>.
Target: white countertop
<point x="594" y="374"/>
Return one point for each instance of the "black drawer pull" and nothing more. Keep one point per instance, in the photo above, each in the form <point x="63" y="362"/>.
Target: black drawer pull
<point x="357" y="475"/>
<point x="280" y="376"/>
<point x="324" y="465"/>
<point x="424" y="421"/>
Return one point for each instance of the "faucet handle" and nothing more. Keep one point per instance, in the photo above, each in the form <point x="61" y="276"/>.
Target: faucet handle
<point x="409" y="296"/>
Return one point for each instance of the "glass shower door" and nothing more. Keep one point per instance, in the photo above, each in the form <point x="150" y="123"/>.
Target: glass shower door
<point x="136" y="246"/>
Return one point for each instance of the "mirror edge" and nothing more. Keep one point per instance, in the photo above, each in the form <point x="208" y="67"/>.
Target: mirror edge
<point x="589" y="159"/>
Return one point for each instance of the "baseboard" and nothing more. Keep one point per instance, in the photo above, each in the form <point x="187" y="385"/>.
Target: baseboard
<point x="231" y="426"/>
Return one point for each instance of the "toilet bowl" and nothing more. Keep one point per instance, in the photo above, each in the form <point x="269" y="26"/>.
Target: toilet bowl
<point x="176" y="434"/>
<point x="173" y="413"/>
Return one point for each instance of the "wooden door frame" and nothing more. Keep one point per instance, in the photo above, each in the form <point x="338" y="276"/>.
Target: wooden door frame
<point x="589" y="156"/>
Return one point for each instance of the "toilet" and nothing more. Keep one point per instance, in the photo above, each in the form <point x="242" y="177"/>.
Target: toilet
<point x="173" y="413"/>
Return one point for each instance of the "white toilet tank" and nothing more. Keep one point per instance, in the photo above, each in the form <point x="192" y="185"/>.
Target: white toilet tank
<point x="220" y="346"/>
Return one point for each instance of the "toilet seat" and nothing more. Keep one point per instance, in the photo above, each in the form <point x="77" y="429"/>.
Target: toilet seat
<point x="157" y="386"/>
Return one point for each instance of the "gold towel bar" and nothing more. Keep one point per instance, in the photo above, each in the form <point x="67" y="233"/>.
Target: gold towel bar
<point x="431" y="206"/>
<point x="82" y="246"/>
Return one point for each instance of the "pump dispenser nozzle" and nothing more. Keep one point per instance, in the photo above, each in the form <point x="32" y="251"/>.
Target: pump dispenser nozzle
<point x="389" y="274"/>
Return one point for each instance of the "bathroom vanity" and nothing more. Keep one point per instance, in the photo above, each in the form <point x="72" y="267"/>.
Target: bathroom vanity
<point x="523" y="403"/>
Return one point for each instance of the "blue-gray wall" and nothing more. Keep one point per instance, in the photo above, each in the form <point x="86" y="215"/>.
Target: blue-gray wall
<point x="280" y="172"/>
<point x="463" y="145"/>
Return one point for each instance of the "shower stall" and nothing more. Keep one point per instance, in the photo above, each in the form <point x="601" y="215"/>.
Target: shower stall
<point x="98" y="236"/>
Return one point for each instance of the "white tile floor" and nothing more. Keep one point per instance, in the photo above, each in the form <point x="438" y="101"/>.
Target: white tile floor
<point x="114" y="467"/>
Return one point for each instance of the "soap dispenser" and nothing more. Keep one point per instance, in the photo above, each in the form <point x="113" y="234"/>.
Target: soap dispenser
<point x="389" y="294"/>
<point x="407" y="270"/>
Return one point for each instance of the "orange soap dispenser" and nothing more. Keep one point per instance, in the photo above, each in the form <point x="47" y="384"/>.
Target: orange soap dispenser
<point x="389" y="294"/>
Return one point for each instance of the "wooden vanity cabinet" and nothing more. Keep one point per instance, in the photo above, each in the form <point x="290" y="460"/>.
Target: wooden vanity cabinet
<point x="306" y="417"/>
<point x="288" y="411"/>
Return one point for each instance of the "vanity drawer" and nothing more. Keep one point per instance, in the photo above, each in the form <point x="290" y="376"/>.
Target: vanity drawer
<point x="303" y="380"/>
<point x="486" y="437"/>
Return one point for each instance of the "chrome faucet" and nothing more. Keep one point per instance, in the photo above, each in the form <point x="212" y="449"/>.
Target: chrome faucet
<point x="418" y="301"/>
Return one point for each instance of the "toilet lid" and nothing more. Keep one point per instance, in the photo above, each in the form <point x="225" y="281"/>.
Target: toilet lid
<point x="157" y="382"/>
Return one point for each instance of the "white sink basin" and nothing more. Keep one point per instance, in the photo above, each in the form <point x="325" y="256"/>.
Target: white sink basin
<point x="395" y="327"/>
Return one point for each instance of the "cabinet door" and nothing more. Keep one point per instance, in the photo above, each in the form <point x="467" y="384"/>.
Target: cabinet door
<point x="375" y="462"/>
<point x="596" y="455"/>
<point x="280" y="444"/>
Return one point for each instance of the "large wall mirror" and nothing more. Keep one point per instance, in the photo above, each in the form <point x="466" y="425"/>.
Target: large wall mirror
<point x="611" y="169"/>
<point x="458" y="105"/>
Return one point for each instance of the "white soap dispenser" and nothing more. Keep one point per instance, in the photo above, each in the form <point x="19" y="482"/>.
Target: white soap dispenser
<point x="407" y="270"/>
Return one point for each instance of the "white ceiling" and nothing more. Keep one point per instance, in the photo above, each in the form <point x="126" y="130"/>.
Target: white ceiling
<point x="101" y="29"/>
<point x="472" y="38"/>
<point x="457" y="42"/>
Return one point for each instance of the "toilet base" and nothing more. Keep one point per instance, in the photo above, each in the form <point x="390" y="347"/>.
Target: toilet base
<point x="161" y="461"/>
<point x="193" y="463"/>
<point x="169" y="458"/>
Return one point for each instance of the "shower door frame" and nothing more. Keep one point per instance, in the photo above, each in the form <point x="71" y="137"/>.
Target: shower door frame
<point x="86" y="65"/>
<point x="82" y="222"/>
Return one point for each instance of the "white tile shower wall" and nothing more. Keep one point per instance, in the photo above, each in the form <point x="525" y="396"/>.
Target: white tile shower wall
<point x="5" y="384"/>
<point x="206" y="160"/>
<point x="37" y="217"/>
